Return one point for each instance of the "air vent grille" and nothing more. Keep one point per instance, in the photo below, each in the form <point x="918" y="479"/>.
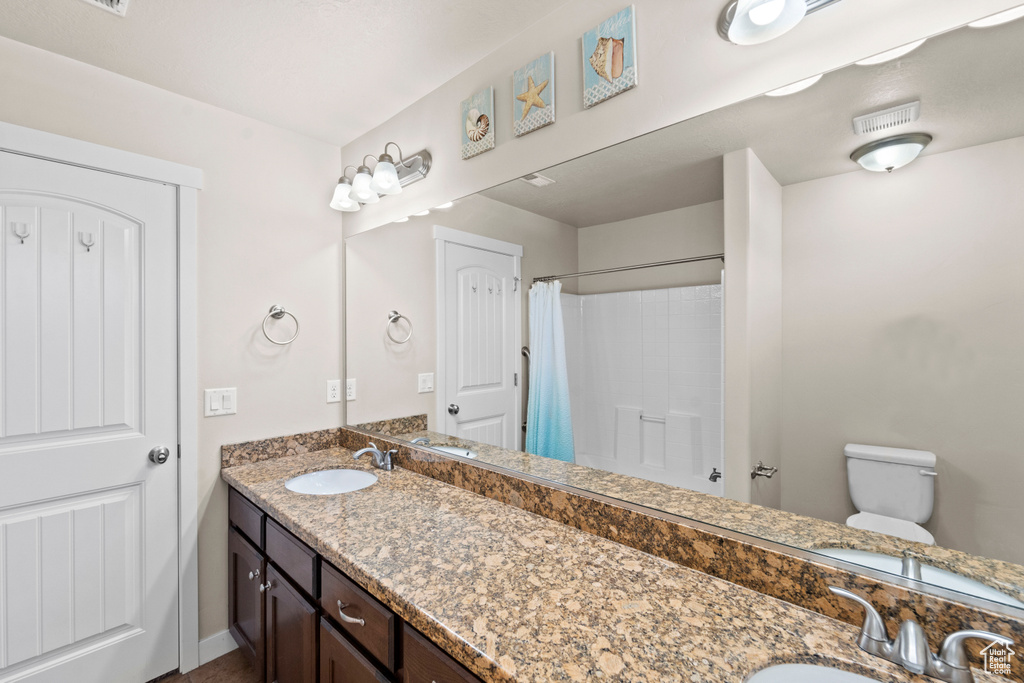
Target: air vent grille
<point x="892" y="117"/>
<point x="118" y="7"/>
<point x="537" y="180"/>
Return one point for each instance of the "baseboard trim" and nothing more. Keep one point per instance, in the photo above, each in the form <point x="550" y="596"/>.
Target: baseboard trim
<point x="217" y="645"/>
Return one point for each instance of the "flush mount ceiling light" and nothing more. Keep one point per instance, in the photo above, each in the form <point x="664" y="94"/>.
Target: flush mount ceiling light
<point x="889" y="154"/>
<point x="794" y="87"/>
<point x="1001" y="18"/>
<point x="892" y="54"/>
<point x="387" y="178"/>
<point x="749" y="22"/>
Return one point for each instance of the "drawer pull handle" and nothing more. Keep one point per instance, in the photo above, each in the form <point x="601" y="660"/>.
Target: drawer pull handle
<point x="346" y="618"/>
<point x="255" y="574"/>
<point x="265" y="587"/>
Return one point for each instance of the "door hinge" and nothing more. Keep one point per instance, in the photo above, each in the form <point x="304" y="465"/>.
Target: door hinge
<point x="515" y="283"/>
<point x="515" y="378"/>
<point x="179" y="451"/>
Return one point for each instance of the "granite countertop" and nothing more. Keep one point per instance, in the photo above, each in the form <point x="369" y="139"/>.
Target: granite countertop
<point x="518" y="597"/>
<point x="787" y="528"/>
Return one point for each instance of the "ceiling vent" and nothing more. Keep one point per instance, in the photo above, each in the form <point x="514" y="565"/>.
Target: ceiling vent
<point x="118" y="7"/>
<point x="887" y="118"/>
<point x="537" y="180"/>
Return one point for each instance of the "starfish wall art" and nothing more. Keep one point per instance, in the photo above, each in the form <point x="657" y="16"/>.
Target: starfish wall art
<point x="533" y="92"/>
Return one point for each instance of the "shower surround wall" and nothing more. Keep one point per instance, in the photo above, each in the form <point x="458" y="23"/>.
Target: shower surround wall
<point x="645" y="380"/>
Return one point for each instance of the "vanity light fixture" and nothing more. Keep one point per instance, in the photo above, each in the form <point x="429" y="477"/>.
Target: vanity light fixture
<point x="889" y="154"/>
<point x="387" y="178"/>
<point x="892" y="54"/>
<point x="1001" y="18"/>
<point x="794" y="87"/>
<point x="749" y="22"/>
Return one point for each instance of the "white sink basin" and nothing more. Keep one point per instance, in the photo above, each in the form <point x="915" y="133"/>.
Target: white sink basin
<point x="328" y="482"/>
<point x="929" y="574"/>
<point x="806" y="673"/>
<point x="454" y="450"/>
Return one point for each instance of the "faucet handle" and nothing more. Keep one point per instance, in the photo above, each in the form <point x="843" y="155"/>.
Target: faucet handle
<point x="912" y="647"/>
<point x="874" y="626"/>
<point x="954" y="654"/>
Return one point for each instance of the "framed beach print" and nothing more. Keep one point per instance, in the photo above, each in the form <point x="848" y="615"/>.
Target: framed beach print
<point x="533" y="95"/>
<point x="478" y="123"/>
<point x="609" y="58"/>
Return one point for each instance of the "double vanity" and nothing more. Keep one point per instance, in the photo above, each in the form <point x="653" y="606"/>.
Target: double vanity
<point x="413" y="579"/>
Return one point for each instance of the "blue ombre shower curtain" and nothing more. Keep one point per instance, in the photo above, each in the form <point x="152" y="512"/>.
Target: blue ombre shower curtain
<point x="548" y="418"/>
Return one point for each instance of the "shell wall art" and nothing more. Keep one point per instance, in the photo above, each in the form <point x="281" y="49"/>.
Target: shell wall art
<point x="533" y="95"/>
<point x="477" y="123"/>
<point x="609" y="58"/>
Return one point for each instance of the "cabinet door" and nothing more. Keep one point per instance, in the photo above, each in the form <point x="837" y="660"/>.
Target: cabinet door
<point x="245" y="602"/>
<point x="291" y="632"/>
<point x="341" y="662"/>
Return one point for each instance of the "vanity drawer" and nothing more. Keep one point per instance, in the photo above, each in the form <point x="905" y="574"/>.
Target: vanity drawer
<point x="341" y="662"/>
<point x="379" y="631"/>
<point x="246" y="517"/>
<point x="427" y="663"/>
<point x="295" y="558"/>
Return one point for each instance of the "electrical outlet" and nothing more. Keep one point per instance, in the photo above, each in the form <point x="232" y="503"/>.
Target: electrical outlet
<point x="220" y="402"/>
<point x="350" y="390"/>
<point x="426" y="382"/>
<point x="333" y="390"/>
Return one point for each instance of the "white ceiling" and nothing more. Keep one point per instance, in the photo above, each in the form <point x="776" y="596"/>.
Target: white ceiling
<point x="331" y="69"/>
<point x="970" y="83"/>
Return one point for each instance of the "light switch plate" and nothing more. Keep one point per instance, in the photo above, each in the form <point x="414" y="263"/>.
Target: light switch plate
<point x="334" y="391"/>
<point x="220" y="402"/>
<point x="426" y="382"/>
<point x="350" y="390"/>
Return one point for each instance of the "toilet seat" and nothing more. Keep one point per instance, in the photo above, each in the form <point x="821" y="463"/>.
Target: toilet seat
<point x="890" y="525"/>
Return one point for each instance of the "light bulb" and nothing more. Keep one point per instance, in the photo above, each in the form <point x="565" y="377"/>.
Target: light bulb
<point x="385" y="176"/>
<point x="341" y="201"/>
<point x="766" y="12"/>
<point x="361" y="191"/>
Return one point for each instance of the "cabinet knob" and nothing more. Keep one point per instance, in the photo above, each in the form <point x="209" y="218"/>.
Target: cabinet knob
<point x="265" y="587"/>
<point x="255" y="574"/>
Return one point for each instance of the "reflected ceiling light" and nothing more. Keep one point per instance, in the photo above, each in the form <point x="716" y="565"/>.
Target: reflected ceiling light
<point x="794" y="87"/>
<point x="446" y="205"/>
<point x="424" y="212"/>
<point x="892" y="54"/>
<point x="1001" y="18"/>
<point x="749" y="22"/>
<point x="402" y="220"/>
<point x="387" y="177"/>
<point x="341" y="201"/>
<point x="889" y="154"/>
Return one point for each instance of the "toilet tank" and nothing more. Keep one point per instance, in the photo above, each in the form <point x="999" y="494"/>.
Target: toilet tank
<point x="888" y="481"/>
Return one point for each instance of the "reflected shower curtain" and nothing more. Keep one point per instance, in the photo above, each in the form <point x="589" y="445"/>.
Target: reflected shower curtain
<point x="548" y="419"/>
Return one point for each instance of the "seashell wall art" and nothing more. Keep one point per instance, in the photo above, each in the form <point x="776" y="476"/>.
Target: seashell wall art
<point x="609" y="58"/>
<point x="478" y="123"/>
<point x="533" y="95"/>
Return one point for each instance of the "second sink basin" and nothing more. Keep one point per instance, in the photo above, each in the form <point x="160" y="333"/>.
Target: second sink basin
<point x="328" y="482"/>
<point x="807" y="673"/>
<point x="455" y="450"/>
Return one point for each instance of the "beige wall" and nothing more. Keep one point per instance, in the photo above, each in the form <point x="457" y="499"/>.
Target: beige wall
<point x="392" y="268"/>
<point x="753" y="327"/>
<point x="685" y="70"/>
<point x="681" y="233"/>
<point x="903" y="314"/>
<point x="265" y="236"/>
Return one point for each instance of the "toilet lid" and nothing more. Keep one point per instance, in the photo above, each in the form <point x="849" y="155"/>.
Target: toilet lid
<point x="890" y="525"/>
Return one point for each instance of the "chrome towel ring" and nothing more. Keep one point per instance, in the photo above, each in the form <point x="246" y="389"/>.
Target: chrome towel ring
<point x="277" y="312"/>
<point x="394" y="317"/>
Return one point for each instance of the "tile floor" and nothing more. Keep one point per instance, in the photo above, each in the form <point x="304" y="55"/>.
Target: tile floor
<point x="231" y="668"/>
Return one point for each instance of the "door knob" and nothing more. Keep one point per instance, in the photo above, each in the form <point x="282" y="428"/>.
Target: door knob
<point x="159" y="455"/>
<point x="453" y="409"/>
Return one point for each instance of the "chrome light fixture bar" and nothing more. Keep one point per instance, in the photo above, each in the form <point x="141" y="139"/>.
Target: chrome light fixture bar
<point x="888" y="154"/>
<point x="749" y="22"/>
<point x="386" y="178"/>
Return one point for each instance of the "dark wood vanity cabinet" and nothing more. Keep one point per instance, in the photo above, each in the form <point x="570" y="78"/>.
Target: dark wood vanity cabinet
<point x="300" y="620"/>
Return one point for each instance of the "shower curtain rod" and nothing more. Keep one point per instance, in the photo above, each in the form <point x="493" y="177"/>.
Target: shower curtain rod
<point x="694" y="259"/>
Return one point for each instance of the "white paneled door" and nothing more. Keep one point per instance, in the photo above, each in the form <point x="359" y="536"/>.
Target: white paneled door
<point x="480" y="345"/>
<point x="88" y="376"/>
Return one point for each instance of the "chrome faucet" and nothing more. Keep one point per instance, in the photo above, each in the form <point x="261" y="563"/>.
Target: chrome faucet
<point x="421" y="440"/>
<point x="910" y="648"/>
<point x="715" y="474"/>
<point x="381" y="460"/>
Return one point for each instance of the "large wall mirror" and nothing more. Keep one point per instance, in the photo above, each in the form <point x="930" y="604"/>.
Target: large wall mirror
<point x="735" y="289"/>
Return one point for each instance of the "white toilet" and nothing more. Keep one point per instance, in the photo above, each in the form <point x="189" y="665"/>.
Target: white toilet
<point x="894" y="489"/>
